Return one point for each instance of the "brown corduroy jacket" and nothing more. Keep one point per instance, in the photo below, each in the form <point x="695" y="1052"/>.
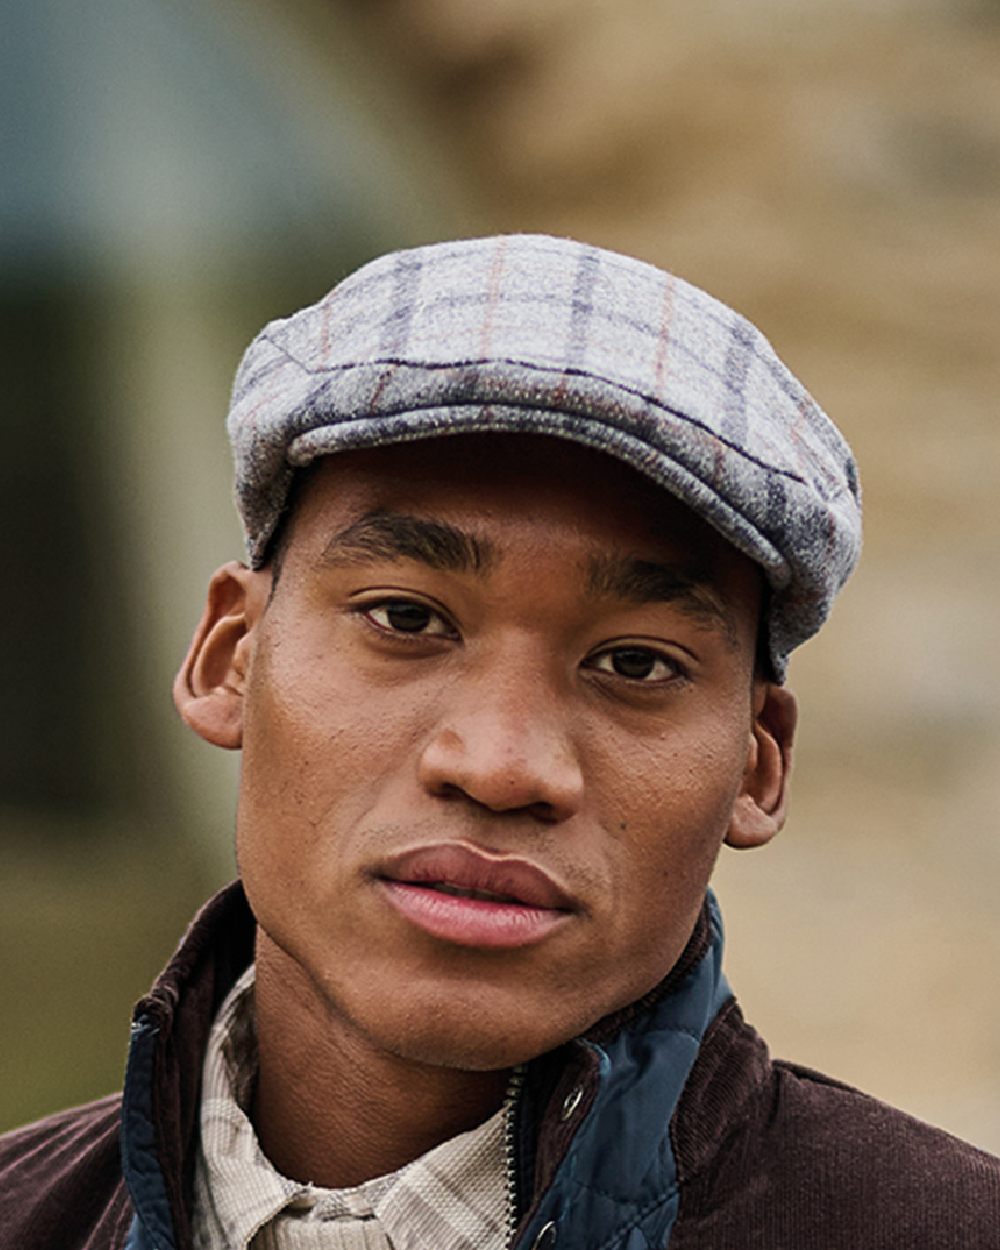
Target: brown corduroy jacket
<point x="746" y="1153"/>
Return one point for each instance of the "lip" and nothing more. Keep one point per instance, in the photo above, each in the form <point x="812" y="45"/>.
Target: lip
<point x="528" y="905"/>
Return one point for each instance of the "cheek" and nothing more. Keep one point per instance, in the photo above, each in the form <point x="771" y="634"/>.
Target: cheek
<point x="666" y="842"/>
<point x="324" y="748"/>
<point x="683" y="782"/>
<point x="668" y="814"/>
<point x="307" y="730"/>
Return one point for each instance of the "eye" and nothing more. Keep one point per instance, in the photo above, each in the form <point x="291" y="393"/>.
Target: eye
<point x="407" y="616"/>
<point x="638" y="664"/>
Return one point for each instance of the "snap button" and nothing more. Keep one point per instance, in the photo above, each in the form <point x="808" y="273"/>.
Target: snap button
<point x="572" y="1101"/>
<point x="546" y="1238"/>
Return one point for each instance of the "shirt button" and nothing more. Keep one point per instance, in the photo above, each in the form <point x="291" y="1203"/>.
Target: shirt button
<point x="572" y="1101"/>
<point x="546" y="1238"/>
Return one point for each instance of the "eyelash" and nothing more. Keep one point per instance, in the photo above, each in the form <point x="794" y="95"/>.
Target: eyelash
<point x="678" y="672"/>
<point x="367" y="609"/>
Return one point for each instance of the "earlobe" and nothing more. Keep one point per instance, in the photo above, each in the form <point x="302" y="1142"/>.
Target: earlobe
<point x="759" y="811"/>
<point x="209" y="689"/>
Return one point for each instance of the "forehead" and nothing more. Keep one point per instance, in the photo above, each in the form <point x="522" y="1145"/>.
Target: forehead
<point x="473" y="503"/>
<point x="504" y="483"/>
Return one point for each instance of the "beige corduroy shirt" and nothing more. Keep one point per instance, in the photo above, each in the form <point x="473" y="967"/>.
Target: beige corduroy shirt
<point x="452" y="1198"/>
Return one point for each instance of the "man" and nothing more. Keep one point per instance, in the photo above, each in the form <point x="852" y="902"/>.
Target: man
<point x="532" y="530"/>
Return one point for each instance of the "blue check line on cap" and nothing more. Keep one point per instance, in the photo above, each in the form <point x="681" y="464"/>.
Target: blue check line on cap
<point x="686" y="297"/>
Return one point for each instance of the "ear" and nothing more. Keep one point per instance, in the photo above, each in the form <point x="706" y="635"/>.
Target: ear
<point x="759" y="811"/>
<point x="209" y="689"/>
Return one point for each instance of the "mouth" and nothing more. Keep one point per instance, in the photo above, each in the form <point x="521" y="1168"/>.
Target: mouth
<point x="483" y="896"/>
<point x="463" y="896"/>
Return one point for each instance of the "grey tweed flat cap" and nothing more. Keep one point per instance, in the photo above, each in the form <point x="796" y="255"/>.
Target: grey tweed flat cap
<point x="526" y="333"/>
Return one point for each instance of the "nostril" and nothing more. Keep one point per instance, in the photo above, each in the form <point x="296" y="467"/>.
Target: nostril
<point x="448" y="790"/>
<point x="541" y="811"/>
<point x="544" y="812"/>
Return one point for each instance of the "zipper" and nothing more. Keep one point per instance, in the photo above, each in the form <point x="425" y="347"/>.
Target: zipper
<point x="510" y="1105"/>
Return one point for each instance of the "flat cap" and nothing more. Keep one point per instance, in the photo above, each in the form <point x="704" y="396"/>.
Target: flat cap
<point x="532" y="334"/>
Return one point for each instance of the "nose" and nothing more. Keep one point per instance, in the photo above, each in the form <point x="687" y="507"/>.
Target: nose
<point x="506" y="747"/>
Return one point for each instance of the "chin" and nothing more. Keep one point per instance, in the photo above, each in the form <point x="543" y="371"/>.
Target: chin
<point x="467" y="1051"/>
<point x="471" y="1036"/>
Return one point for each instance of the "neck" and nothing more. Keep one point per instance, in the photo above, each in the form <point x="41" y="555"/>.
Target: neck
<point x="333" y="1108"/>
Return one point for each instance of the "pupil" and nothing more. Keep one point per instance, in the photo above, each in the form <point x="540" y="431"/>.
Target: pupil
<point x="633" y="663"/>
<point x="411" y="618"/>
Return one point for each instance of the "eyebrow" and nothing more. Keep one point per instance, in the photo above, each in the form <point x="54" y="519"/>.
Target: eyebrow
<point x="691" y="588"/>
<point x="392" y="536"/>
<point x="397" y="536"/>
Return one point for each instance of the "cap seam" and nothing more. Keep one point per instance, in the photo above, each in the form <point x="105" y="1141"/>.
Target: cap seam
<point x="539" y="406"/>
<point x="480" y="360"/>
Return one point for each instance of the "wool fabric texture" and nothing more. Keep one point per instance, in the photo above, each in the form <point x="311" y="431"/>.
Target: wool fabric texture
<point x="538" y="335"/>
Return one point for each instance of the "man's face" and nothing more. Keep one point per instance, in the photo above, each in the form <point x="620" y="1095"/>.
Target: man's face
<point x="501" y="665"/>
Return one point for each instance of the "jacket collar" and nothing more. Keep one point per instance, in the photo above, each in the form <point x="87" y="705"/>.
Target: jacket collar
<point x="170" y="1028"/>
<point x="594" y="1151"/>
<point x="601" y="1109"/>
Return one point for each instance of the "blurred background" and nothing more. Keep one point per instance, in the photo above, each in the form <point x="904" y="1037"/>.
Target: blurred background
<point x="176" y="173"/>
